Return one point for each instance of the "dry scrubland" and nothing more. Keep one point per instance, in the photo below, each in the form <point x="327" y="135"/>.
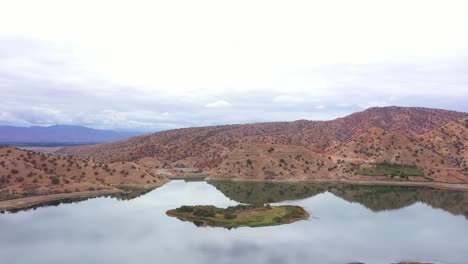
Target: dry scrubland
<point x="26" y="173"/>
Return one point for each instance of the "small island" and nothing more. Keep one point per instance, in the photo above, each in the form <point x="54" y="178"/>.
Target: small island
<point x="240" y="215"/>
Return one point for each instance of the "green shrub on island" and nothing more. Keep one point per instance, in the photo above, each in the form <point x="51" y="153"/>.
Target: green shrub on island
<point x="229" y="215"/>
<point x="185" y="209"/>
<point x="204" y="211"/>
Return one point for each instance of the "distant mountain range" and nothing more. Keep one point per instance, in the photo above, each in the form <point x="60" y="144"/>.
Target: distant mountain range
<point x="60" y="134"/>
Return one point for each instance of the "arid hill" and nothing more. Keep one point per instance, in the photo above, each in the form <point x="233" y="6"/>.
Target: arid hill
<point x="207" y="147"/>
<point x="275" y="162"/>
<point x="27" y="173"/>
<point x="440" y="153"/>
<point x="421" y="158"/>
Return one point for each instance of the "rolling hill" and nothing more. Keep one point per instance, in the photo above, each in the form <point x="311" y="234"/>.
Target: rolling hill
<point x="27" y="173"/>
<point x="208" y="146"/>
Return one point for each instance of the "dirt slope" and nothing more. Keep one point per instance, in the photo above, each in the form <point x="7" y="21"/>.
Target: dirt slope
<point x="27" y="173"/>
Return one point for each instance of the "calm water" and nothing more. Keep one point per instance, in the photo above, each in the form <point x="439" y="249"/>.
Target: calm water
<point x="350" y="223"/>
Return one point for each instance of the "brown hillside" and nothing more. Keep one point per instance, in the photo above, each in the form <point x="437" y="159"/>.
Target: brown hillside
<point x="441" y="153"/>
<point x="27" y="173"/>
<point x="275" y="162"/>
<point x="438" y="155"/>
<point x="207" y="147"/>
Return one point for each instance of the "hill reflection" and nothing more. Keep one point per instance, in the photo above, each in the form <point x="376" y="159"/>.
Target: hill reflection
<point x="376" y="198"/>
<point x="129" y="194"/>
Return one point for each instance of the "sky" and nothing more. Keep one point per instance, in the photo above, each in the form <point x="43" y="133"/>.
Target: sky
<point x="157" y="65"/>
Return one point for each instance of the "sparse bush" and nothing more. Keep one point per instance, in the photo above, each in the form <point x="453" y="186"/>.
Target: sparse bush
<point x="185" y="209"/>
<point x="204" y="211"/>
<point x="19" y="179"/>
<point x="55" y="180"/>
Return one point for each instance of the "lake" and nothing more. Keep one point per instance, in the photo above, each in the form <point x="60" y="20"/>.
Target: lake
<point x="370" y="224"/>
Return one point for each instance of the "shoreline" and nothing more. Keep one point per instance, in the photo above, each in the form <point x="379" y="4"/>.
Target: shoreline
<point x="32" y="201"/>
<point x="26" y="202"/>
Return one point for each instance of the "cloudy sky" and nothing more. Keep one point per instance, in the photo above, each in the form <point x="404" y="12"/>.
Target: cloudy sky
<point x="153" y="65"/>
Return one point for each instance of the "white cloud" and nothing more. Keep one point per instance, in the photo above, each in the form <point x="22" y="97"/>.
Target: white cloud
<point x="218" y="104"/>
<point x="373" y="104"/>
<point x="288" y="99"/>
<point x="179" y="57"/>
<point x="320" y="107"/>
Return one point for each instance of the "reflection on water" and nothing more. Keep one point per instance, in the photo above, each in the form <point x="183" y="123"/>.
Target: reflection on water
<point x="376" y="198"/>
<point x="351" y="224"/>
<point x="47" y="204"/>
<point x="129" y="194"/>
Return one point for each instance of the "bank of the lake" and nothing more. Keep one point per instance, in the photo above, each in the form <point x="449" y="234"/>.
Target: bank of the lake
<point x="38" y="200"/>
<point x="27" y="202"/>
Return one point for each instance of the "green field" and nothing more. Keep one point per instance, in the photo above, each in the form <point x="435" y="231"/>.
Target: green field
<point x="391" y="170"/>
<point x="240" y="215"/>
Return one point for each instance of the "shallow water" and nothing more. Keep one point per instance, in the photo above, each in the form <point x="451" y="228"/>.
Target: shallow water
<point x="349" y="223"/>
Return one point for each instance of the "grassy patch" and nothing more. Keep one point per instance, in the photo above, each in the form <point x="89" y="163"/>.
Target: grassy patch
<point x="391" y="170"/>
<point x="240" y="215"/>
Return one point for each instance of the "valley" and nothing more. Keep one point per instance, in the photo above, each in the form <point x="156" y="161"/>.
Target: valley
<point x="404" y="146"/>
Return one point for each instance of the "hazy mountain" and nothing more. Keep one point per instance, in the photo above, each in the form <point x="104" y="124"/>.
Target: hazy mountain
<point x="60" y="133"/>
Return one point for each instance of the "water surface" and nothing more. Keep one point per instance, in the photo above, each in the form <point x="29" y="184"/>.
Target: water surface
<point x="349" y="223"/>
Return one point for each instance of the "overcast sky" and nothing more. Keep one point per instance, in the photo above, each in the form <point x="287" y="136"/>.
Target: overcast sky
<point x="153" y="65"/>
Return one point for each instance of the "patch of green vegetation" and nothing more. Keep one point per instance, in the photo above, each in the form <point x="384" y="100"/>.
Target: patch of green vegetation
<point x="386" y="169"/>
<point x="239" y="215"/>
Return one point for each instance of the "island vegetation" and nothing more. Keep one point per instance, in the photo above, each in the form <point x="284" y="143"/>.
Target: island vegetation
<point x="240" y="215"/>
